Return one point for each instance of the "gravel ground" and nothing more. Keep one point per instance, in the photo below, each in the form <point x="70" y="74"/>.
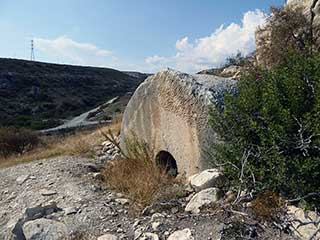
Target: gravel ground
<point x="66" y="190"/>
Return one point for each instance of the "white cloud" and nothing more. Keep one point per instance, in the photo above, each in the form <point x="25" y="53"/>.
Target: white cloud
<point x="212" y="51"/>
<point x="69" y="51"/>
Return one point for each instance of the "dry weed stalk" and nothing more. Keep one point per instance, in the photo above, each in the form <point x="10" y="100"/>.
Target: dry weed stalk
<point x="136" y="174"/>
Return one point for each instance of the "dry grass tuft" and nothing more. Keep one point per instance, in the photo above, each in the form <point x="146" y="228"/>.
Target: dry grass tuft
<point x="138" y="177"/>
<point x="268" y="205"/>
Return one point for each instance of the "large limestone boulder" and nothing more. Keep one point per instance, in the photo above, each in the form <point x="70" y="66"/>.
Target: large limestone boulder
<point x="169" y="112"/>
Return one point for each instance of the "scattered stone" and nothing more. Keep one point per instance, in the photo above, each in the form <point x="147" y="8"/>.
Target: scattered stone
<point x="184" y="234"/>
<point x="21" y="179"/>
<point x="138" y="232"/>
<point x="136" y="224"/>
<point x="119" y="195"/>
<point x="44" y="229"/>
<point x="110" y="151"/>
<point x="116" y="156"/>
<point x="106" y="143"/>
<point x="70" y="210"/>
<point x="108" y="237"/>
<point x="46" y="192"/>
<point x="104" y="158"/>
<point x="156" y="216"/>
<point x="161" y="207"/>
<point x="98" y="176"/>
<point x="149" y="236"/>
<point x="156" y="226"/>
<point x="189" y="189"/>
<point x="174" y="210"/>
<point x="311" y="223"/>
<point x="207" y="179"/>
<point x="122" y="201"/>
<point x="119" y="230"/>
<point x="230" y="196"/>
<point x="203" y="198"/>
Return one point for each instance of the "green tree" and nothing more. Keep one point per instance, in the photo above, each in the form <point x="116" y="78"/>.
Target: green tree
<point x="270" y="130"/>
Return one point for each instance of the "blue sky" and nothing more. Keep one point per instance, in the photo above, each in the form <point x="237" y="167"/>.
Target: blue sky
<point x="144" y="35"/>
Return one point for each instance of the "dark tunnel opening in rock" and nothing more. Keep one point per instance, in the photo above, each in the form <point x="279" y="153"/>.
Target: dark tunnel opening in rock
<point x="166" y="162"/>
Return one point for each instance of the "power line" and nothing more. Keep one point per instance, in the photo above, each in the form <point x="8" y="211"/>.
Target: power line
<point x="32" y="58"/>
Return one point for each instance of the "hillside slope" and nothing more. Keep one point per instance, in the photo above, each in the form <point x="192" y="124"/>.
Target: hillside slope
<point x="38" y="95"/>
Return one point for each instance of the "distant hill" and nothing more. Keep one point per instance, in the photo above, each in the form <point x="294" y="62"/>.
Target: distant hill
<point x="39" y="95"/>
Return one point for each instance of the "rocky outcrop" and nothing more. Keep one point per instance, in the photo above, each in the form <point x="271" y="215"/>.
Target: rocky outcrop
<point x="309" y="8"/>
<point x="169" y="112"/>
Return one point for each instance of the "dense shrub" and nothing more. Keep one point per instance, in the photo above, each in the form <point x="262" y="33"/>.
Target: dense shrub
<point x="270" y="131"/>
<point x="16" y="141"/>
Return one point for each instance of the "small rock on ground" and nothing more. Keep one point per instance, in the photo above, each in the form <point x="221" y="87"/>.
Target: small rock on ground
<point x="45" y="229"/>
<point x="184" y="234"/>
<point x="202" y="199"/>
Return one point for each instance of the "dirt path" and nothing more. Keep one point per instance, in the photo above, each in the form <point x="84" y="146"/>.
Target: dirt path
<point x="66" y="181"/>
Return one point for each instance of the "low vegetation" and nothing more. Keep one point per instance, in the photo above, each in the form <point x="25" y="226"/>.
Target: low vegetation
<point x="78" y="144"/>
<point x="16" y="141"/>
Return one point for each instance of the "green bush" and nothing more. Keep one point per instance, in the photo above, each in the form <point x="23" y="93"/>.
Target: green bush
<point x="16" y="141"/>
<point x="270" y="130"/>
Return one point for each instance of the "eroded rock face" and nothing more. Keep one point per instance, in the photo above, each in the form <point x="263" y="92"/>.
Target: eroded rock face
<point x="309" y="8"/>
<point x="169" y="112"/>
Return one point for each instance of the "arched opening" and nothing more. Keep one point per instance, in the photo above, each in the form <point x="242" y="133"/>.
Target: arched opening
<point x="167" y="163"/>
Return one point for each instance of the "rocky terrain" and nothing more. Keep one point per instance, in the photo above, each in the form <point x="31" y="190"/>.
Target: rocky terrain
<point x="64" y="198"/>
<point x="40" y="95"/>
